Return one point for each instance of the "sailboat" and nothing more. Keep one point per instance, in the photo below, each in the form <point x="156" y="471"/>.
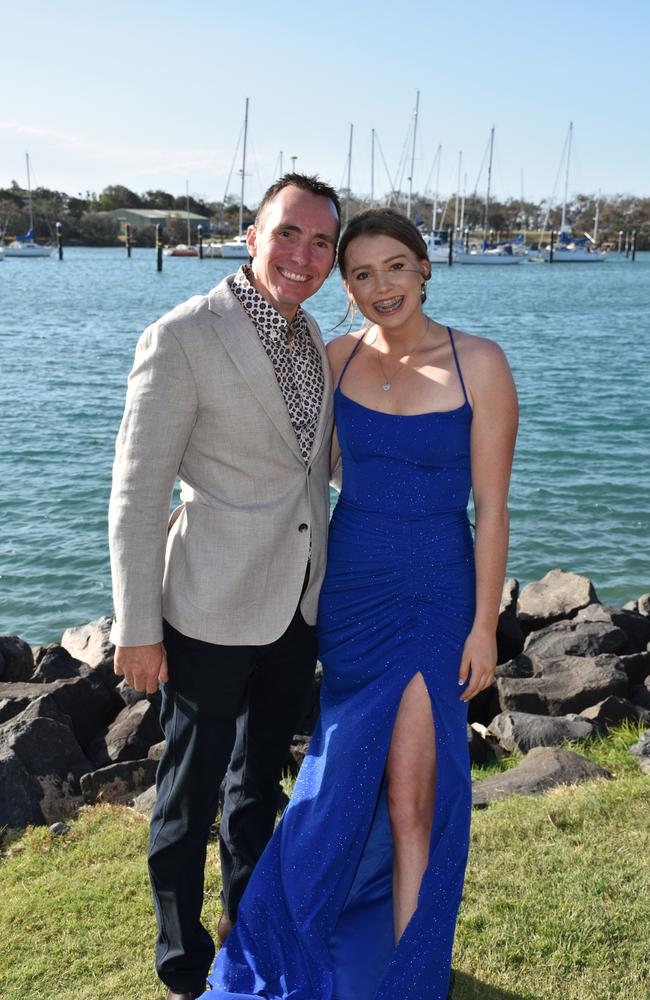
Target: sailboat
<point x="237" y="247"/>
<point x="572" y="249"/>
<point x="501" y="253"/>
<point x="184" y="249"/>
<point x="25" y="246"/>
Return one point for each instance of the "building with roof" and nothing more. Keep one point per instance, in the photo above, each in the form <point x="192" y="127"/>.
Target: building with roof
<point x="141" y="217"/>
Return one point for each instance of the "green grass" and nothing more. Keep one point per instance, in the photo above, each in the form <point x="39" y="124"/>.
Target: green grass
<point x="556" y="903"/>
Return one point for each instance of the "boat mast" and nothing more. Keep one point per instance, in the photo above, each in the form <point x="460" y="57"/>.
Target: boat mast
<point x="462" y="205"/>
<point x="434" y="214"/>
<point x="349" y="184"/>
<point x="597" y="217"/>
<point x="487" y="196"/>
<point x="566" y="180"/>
<point x="460" y="161"/>
<point x="29" y="197"/>
<point x="243" y="173"/>
<point x="372" y="167"/>
<point x="415" y="129"/>
<point x="187" y="210"/>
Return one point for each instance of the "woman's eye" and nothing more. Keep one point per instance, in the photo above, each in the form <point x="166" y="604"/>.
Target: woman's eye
<point x="362" y="275"/>
<point x="397" y="266"/>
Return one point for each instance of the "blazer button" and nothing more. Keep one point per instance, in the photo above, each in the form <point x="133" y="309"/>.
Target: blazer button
<point x="303" y="527"/>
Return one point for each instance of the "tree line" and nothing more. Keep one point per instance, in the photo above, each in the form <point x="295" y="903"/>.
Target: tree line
<point x="85" y="221"/>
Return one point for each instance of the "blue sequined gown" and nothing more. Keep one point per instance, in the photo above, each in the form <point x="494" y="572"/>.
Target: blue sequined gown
<point x="316" y="920"/>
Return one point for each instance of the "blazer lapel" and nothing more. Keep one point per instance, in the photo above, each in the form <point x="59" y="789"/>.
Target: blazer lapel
<point x="239" y="337"/>
<point x="324" y="420"/>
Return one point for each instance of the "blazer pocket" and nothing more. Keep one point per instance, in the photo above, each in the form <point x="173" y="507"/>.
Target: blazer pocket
<point x="225" y="566"/>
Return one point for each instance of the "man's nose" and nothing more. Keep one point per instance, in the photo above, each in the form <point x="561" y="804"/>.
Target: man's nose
<point x="300" y="251"/>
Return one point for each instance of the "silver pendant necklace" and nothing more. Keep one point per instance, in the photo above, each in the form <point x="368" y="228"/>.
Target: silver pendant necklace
<point x="388" y="382"/>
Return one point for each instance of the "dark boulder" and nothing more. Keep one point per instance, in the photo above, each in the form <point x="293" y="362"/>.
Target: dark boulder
<point x="643" y="605"/>
<point x="636" y="666"/>
<point x="54" y="663"/>
<point x="90" y="643"/>
<point x="573" y="638"/>
<point x="40" y="767"/>
<point x="481" y="747"/>
<point x="520" y="666"/>
<point x="635" y="626"/>
<point x="640" y="694"/>
<point x="557" y="596"/>
<point x="118" y="782"/>
<point x="21" y="793"/>
<point x="542" y="768"/>
<point x="156" y="751"/>
<point x="16" y="659"/>
<point x="522" y="731"/>
<point x="614" y="711"/>
<point x="128" y="737"/>
<point x="145" y="802"/>
<point x="85" y="698"/>
<point x="483" y="706"/>
<point x="561" y="686"/>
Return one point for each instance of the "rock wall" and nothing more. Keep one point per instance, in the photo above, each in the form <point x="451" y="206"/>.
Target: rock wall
<point x="569" y="667"/>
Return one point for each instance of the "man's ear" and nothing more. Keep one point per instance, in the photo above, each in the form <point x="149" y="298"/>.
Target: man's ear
<point x="251" y="240"/>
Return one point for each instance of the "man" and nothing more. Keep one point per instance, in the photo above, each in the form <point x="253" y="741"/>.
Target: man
<point x="232" y="392"/>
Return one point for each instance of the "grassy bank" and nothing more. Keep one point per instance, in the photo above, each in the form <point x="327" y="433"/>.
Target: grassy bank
<point x="556" y="905"/>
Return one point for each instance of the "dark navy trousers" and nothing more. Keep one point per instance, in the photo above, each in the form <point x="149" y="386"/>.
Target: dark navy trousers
<point x="226" y="711"/>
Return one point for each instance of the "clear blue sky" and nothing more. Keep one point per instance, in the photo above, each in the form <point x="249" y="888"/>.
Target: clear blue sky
<point x="148" y="94"/>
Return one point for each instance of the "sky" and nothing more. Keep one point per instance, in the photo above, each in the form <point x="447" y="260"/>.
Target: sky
<point x="151" y="93"/>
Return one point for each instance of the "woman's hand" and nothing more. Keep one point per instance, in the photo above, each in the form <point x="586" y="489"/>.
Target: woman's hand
<point x="478" y="661"/>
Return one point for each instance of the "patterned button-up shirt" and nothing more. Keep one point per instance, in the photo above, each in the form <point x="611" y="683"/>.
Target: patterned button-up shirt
<point x="295" y="358"/>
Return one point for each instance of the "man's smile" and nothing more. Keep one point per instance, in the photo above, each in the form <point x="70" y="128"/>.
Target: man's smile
<point x="292" y="276"/>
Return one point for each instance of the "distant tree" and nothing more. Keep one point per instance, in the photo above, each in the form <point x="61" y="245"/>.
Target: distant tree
<point x="118" y="196"/>
<point x="156" y="199"/>
<point x="98" y="229"/>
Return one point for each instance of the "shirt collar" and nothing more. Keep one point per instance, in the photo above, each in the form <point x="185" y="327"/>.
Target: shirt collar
<point x="260" y="309"/>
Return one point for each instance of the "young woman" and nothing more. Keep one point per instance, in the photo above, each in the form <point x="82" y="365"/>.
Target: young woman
<point x="357" y="894"/>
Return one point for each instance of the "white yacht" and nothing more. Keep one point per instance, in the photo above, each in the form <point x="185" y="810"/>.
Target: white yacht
<point x="25" y="246"/>
<point x="235" y="248"/>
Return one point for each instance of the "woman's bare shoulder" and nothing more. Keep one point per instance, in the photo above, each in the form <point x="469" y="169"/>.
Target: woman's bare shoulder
<point x="340" y="346"/>
<point x="482" y="356"/>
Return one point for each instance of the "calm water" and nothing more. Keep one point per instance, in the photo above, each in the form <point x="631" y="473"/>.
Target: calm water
<point x="577" y="337"/>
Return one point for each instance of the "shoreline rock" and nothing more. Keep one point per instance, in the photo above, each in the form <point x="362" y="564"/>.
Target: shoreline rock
<point x="569" y="668"/>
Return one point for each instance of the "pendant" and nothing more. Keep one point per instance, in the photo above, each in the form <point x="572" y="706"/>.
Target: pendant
<point x="386" y="386"/>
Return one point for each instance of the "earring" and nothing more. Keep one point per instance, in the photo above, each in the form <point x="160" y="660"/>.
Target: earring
<point x="423" y="293"/>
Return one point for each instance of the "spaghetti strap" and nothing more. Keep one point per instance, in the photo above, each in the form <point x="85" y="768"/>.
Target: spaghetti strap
<point x="350" y="356"/>
<point x="460" y="374"/>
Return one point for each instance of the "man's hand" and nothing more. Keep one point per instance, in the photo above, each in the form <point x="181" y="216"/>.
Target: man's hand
<point x="143" y="667"/>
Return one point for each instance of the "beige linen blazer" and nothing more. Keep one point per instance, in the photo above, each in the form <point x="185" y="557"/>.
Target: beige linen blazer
<point x="203" y="403"/>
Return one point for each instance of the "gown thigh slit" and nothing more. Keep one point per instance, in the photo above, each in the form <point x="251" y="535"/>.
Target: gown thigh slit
<point x="316" y="921"/>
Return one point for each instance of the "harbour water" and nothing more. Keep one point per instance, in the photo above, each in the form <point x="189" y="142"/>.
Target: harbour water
<point x="577" y="338"/>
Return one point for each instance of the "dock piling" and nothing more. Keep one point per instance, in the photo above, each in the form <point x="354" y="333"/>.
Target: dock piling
<point x="159" y="247"/>
<point x="59" y="240"/>
<point x="551" y="247"/>
<point x="199" y="229"/>
<point x="450" y="239"/>
<point x="127" y="232"/>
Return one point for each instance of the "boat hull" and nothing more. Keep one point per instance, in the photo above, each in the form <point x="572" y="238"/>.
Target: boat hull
<point x="561" y="256"/>
<point x="19" y="249"/>
<point x="488" y="258"/>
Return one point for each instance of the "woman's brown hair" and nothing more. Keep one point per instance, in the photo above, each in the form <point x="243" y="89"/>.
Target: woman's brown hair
<point x="382" y="222"/>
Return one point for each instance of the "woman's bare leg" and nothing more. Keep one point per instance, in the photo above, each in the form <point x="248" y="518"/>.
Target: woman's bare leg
<point x="411" y="775"/>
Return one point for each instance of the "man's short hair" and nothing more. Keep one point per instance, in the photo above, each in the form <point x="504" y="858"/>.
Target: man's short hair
<point x="306" y="182"/>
